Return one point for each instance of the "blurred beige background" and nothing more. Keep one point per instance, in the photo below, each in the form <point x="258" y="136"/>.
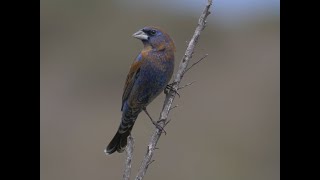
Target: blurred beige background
<point x="227" y="124"/>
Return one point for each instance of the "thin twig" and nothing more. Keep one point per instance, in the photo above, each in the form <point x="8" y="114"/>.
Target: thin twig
<point x="174" y="107"/>
<point x="197" y="62"/>
<point x="151" y="162"/>
<point x="167" y="122"/>
<point x="186" y="85"/>
<point x="129" y="151"/>
<point x="171" y="95"/>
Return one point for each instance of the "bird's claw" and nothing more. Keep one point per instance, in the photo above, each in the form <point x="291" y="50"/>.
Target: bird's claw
<point x="169" y="88"/>
<point x="160" y="127"/>
<point x="155" y="123"/>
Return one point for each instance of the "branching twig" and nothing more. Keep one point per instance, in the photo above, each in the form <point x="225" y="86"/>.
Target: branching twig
<point x="129" y="151"/>
<point x="197" y="62"/>
<point x="151" y="162"/>
<point x="171" y="95"/>
<point x="186" y="85"/>
<point x="174" y="107"/>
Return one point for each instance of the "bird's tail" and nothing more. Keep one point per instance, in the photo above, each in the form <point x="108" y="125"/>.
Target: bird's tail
<point x="119" y="142"/>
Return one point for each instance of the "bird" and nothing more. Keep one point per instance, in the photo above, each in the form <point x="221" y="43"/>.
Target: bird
<point x="148" y="76"/>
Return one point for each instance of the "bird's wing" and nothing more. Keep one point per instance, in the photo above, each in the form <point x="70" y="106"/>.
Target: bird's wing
<point x="131" y="77"/>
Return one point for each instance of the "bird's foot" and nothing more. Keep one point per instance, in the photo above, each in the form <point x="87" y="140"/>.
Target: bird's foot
<point x="155" y="123"/>
<point x="169" y="88"/>
<point x="159" y="127"/>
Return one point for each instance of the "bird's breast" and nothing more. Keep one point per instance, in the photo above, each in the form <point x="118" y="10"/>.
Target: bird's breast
<point x="157" y="69"/>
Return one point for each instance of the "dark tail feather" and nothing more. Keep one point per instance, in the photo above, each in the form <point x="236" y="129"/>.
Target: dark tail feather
<point x="118" y="143"/>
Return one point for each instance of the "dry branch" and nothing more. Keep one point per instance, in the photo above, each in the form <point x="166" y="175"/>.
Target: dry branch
<point x="129" y="151"/>
<point x="173" y="91"/>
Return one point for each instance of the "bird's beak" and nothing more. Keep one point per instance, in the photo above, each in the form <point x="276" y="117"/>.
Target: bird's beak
<point x="140" y="35"/>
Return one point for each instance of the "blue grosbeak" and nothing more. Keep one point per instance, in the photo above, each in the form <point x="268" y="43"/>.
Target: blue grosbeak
<point x="148" y="76"/>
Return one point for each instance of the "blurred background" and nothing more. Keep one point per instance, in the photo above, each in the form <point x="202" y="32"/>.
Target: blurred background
<point x="227" y="125"/>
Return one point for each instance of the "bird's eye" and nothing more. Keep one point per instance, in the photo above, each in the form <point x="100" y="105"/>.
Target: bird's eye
<point x="153" y="32"/>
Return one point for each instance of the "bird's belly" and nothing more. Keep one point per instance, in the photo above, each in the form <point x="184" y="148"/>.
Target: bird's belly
<point x="153" y="82"/>
<point x="149" y="85"/>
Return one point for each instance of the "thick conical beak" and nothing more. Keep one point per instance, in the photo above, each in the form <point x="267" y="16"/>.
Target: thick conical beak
<point x="140" y="35"/>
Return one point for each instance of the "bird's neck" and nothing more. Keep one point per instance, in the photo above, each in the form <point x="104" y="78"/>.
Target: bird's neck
<point x="160" y="48"/>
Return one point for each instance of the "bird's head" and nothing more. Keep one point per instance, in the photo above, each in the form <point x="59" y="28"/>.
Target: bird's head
<point x="155" y="38"/>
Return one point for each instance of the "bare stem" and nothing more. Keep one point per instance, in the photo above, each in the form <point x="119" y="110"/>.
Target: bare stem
<point x="129" y="151"/>
<point x="174" y="107"/>
<point x="197" y="62"/>
<point x="186" y="85"/>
